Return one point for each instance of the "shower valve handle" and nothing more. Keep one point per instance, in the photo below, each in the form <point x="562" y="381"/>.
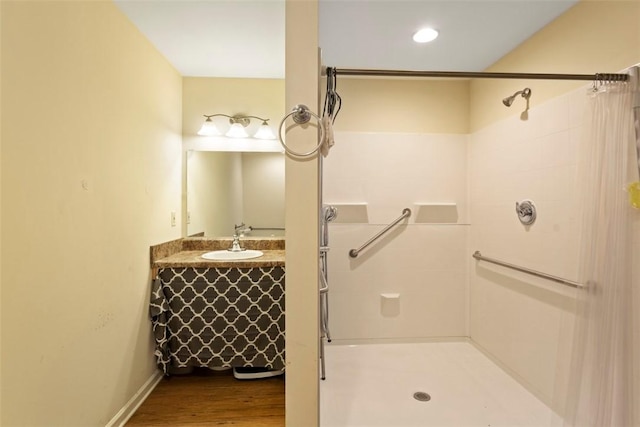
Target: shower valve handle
<point x="526" y="211"/>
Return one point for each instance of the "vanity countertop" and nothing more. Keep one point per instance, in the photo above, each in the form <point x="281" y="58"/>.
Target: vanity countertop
<point x="187" y="252"/>
<point x="193" y="259"/>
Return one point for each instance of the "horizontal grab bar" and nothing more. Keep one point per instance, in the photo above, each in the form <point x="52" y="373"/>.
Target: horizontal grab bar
<point x="406" y="213"/>
<point x="477" y="255"/>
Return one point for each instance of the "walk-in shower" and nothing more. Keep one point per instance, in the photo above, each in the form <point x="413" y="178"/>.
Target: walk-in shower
<point x="489" y="339"/>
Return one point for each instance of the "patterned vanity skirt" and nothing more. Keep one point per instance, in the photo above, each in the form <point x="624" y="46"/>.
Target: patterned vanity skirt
<point x="219" y="317"/>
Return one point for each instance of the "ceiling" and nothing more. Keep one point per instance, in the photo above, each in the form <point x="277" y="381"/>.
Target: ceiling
<point x="246" y="38"/>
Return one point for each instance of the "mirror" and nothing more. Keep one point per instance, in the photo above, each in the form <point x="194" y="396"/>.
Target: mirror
<point x="225" y="189"/>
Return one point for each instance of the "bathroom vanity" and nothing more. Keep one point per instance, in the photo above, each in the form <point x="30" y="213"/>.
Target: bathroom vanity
<point x="217" y="313"/>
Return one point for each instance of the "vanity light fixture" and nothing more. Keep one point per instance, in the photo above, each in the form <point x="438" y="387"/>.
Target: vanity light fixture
<point x="264" y="131"/>
<point x="425" y="35"/>
<point x="237" y="130"/>
<point x="238" y="123"/>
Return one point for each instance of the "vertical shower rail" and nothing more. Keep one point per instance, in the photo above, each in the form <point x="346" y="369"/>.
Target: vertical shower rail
<point x="328" y="214"/>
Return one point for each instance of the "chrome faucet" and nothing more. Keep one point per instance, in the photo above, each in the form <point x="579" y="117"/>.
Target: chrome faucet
<point x="235" y="245"/>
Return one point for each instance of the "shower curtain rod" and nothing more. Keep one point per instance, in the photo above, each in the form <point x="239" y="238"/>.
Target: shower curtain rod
<point x="478" y="75"/>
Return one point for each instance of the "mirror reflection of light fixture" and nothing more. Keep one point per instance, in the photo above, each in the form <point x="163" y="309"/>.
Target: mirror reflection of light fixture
<point x="238" y="123"/>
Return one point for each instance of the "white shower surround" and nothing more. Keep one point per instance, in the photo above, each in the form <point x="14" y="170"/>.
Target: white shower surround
<point x="522" y="322"/>
<point x="424" y="263"/>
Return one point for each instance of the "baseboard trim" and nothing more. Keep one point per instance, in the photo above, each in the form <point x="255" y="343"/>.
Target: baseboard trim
<point x="127" y="411"/>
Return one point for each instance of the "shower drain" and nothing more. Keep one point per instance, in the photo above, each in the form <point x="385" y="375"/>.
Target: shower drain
<point x="421" y="396"/>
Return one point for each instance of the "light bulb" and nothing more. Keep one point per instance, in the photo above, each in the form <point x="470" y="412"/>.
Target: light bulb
<point x="237" y="131"/>
<point x="209" y="128"/>
<point x="264" y="132"/>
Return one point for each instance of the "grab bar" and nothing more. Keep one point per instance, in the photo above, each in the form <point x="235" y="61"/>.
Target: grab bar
<point x="477" y="255"/>
<point x="406" y="213"/>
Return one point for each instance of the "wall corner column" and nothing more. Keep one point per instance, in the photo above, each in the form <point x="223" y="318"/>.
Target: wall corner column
<point x="302" y="207"/>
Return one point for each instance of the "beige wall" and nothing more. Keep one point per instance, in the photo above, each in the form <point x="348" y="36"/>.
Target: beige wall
<point x="203" y="95"/>
<point x="591" y="37"/>
<point x="301" y="219"/>
<point x="90" y="173"/>
<point x="403" y="105"/>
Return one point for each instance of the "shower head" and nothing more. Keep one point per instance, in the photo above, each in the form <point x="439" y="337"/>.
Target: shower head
<point x="509" y="100"/>
<point x="525" y="93"/>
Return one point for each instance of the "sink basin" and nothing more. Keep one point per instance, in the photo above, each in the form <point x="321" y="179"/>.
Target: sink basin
<point x="229" y="255"/>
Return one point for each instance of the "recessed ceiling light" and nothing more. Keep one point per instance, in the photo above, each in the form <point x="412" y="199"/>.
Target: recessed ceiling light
<point x="425" y="35"/>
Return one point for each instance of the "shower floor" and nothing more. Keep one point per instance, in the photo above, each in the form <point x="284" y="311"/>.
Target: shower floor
<point x="374" y="384"/>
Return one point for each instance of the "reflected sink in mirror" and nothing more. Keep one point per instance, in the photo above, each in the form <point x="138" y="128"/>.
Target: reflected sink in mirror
<point x="225" y="255"/>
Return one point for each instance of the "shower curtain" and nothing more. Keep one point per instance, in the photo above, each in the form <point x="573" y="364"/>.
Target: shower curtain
<point x="601" y="383"/>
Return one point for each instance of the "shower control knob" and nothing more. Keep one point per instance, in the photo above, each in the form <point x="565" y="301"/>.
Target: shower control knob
<point x="526" y="211"/>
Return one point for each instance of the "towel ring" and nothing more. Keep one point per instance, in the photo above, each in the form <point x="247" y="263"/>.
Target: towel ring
<point x="301" y="114"/>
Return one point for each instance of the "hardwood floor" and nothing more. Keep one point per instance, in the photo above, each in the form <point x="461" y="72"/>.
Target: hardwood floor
<point x="208" y="398"/>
